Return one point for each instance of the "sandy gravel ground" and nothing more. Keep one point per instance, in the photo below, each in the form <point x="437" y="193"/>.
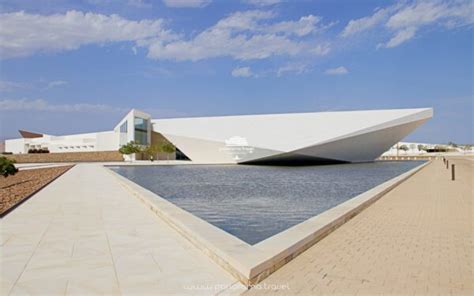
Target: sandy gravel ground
<point x="14" y="189"/>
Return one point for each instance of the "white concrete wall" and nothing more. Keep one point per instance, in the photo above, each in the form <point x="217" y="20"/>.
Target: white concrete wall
<point x="15" y="146"/>
<point x="125" y="137"/>
<point x="101" y="141"/>
<point x="108" y="141"/>
<point x="72" y="143"/>
<point x="129" y="118"/>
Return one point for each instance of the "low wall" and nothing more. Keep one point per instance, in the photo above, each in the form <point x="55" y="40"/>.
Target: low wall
<point x="410" y="157"/>
<point x="93" y="156"/>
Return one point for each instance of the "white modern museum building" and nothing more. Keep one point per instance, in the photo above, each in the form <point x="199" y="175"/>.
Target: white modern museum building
<point x="318" y="137"/>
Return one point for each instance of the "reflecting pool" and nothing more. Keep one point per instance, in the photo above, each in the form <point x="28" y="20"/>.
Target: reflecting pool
<point x="256" y="202"/>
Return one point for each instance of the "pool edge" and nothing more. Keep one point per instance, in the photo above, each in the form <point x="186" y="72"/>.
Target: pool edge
<point x="251" y="264"/>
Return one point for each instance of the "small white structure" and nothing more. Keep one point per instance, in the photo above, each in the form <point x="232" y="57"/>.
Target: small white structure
<point x="319" y="137"/>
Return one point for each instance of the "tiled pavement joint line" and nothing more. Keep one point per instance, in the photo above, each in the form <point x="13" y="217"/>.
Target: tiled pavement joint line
<point x="4" y="242"/>
<point x="38" y="244"/>
<point x="113" y="260"/>
<point x="154" y="260"/>
<point x="44" y="232"/>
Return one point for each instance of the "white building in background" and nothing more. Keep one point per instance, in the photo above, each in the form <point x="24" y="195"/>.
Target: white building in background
<point x="135" y="126"/>
<point x="320" y="137"/>
<point x="412" y="149"/>
<point x="415" y="148"/>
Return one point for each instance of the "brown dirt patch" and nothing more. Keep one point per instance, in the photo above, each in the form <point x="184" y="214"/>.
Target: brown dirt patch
<point x="15" y="189"/>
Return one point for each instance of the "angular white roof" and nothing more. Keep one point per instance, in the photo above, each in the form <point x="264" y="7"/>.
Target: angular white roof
<point x="274" y="134"/>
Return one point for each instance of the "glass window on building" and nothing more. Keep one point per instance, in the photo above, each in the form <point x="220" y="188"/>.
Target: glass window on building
<point x="141" y="123"/>
<point x="141" y="131"/>
<point x="141" y="137"/>
<point x="124" y="127"/>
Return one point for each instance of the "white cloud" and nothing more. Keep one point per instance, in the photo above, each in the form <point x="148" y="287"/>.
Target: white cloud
<point x="408" y="20"/>
<point x="9" y="86"/>
<point x="244" y="20"/>
<point x="401" y="36"/>
<point x="418" y="14"/>
<point x="99" y="2"/>
<point x="296" y="68"/>
<point x="6" y="86"/>
<point x="337" y="71"/>
<point x="23" y="34"/>
<point x="186" y="3"/>
<point x="321" y="49"/>
<point x="56" y="83"/>
<point x="139" y="3"/>
<point x="242" y="72"/>
<point x="405" y="19"/>
<point x="262" y="3"/>
<point x="365" y="23"/>
<point x="43" y="105"/>
<point x="304" y="26"/>
<point x="243" y="36"/>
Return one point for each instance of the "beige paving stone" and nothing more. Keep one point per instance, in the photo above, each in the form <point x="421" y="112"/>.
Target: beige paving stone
<point x="85" y="234"/>
<point x="417" y="239"/>
<point x="92" y="286"/>
<point x="45" y="287"/>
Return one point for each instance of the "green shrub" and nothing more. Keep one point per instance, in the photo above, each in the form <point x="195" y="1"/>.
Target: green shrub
<point x="152" y="150"/>
<point x="130" y="148"/>
<point x="168" y="148"/>
<point x="7" y="167"/>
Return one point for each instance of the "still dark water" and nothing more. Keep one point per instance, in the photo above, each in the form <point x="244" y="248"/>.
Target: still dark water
<point x="256" y="202"/>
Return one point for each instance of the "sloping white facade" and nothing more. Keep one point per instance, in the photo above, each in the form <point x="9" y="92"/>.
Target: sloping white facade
<point x="348" y="136"/>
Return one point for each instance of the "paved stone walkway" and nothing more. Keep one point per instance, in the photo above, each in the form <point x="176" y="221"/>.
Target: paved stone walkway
<point x="85" y="234"/>
<point x="418" y="239"/>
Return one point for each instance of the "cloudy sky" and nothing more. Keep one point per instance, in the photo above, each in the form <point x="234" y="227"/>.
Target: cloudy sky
<point x="78" y="66"/>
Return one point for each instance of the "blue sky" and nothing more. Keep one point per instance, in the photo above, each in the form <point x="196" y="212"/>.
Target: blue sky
<point x="78" y="66"/>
